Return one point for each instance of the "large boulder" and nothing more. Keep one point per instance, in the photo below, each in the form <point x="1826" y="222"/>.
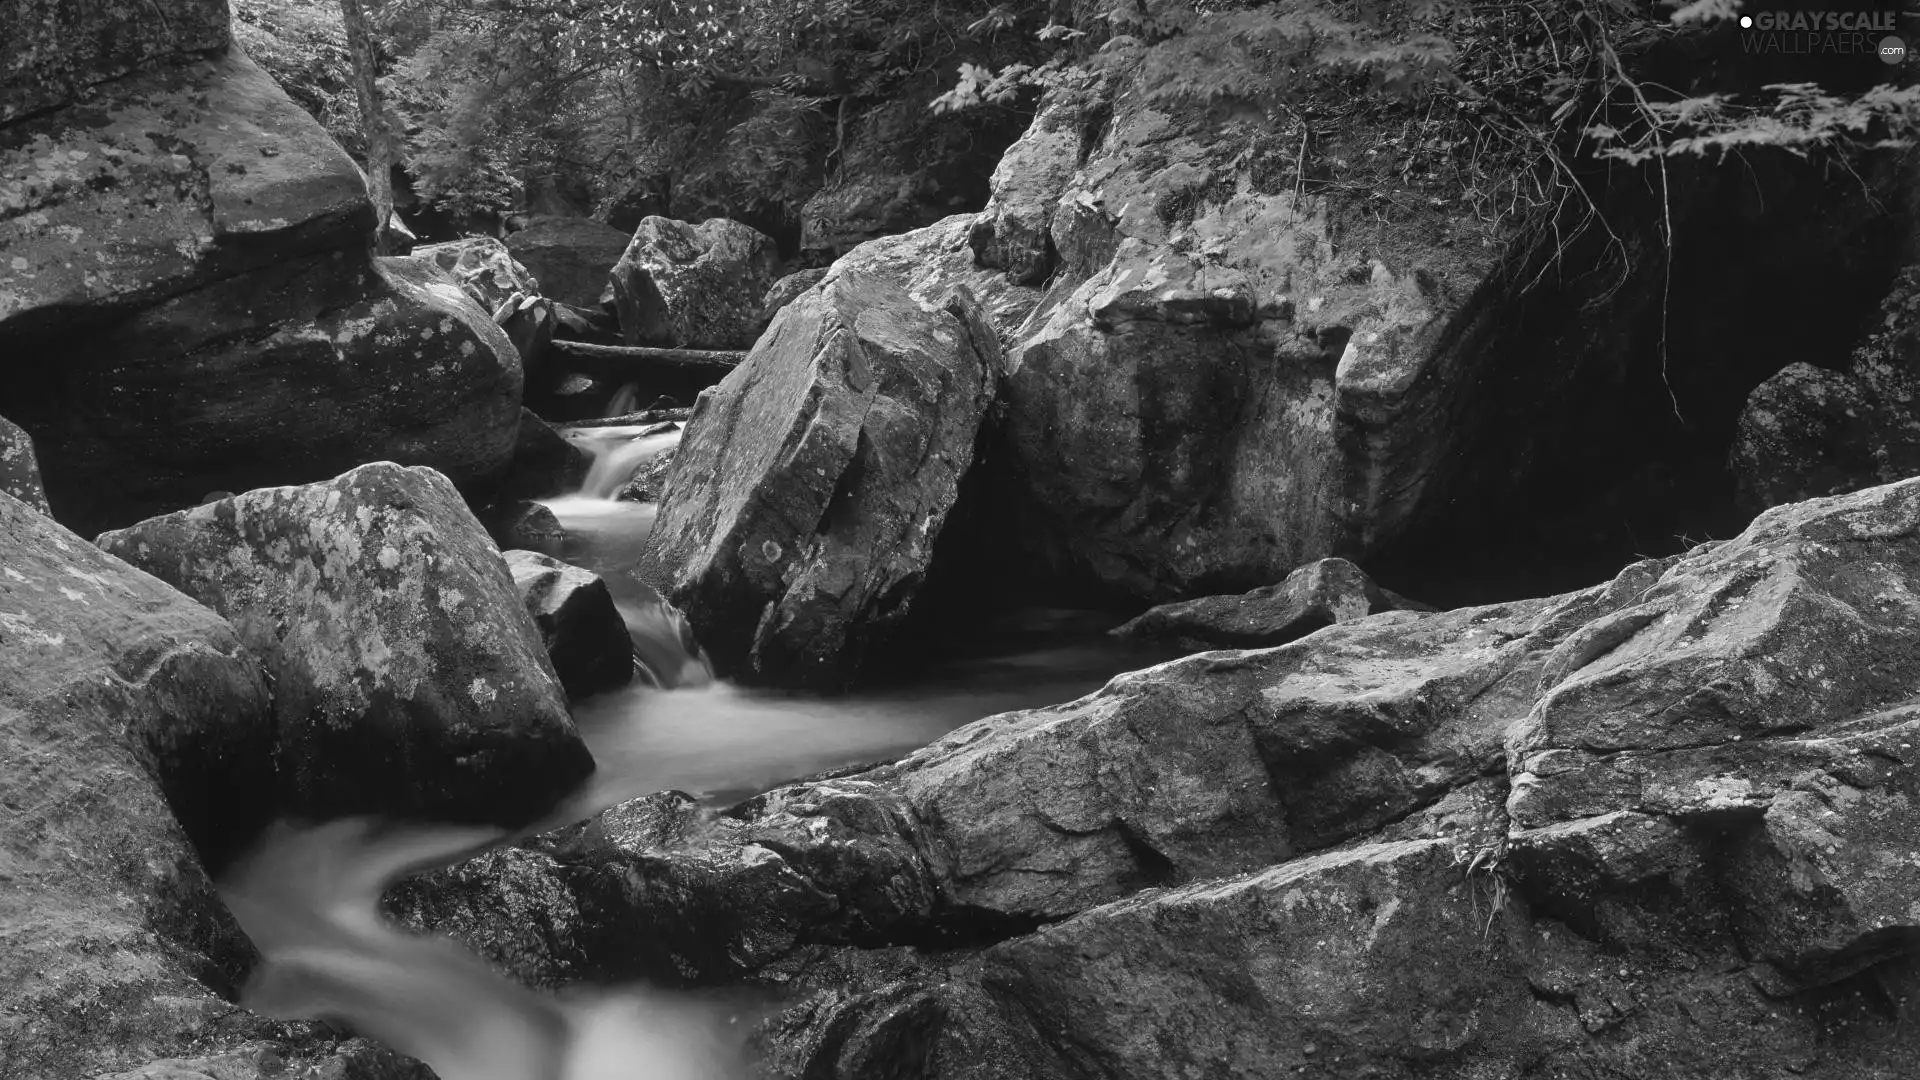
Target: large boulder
<point x="807" y="495"/>
<point x="166" y="180"/>
<point x="20" y="468"/>
<point x="585" y="637"/>
<point x="571" y="257"/>
<point x="196" y="395"/>
<point x="694" y="286"/>
<point x="126" y="711"/>
<point x="409" y="679"/>
<point x="1178" y="408"/>
<point x="931" y="262"/>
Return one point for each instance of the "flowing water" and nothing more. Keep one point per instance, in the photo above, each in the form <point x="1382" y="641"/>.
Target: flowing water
<point x="309" y="898"/>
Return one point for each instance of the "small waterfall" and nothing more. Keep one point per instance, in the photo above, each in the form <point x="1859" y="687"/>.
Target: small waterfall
<point x="619" y="452"/>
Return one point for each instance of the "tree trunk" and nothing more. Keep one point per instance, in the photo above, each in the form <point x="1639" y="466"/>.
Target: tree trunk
<point x="373" y="123"/>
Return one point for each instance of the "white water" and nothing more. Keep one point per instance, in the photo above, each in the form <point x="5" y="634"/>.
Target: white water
<point x="309" y="898"/>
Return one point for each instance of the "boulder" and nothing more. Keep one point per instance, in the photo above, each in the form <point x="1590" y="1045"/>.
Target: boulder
<point x="693" y="286"/>
<point x="811" y="485"/>
<point x="55" y="52"/>
<point x="409" y="679"/>
<point x="196" y="394"/>
<point x="867" y="206"/>
<point x="166" y="180"/>
<point x="649" y="482"/>
<point x="583" y="632"/>
<point x="1321" y="593"/>
<point x="571" y="257"/>
<point x="1227" y="377"/>
<point x="483" y="267"/>
<point x="133" y="725"/>
<point x="1810" y="431"/>
<point x="19" y="468"/>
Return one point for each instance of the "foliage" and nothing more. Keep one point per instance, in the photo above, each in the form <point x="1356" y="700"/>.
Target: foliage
<point x="747" y="100"/>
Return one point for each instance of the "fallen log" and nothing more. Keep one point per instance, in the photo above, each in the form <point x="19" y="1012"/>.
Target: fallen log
<point x="715" y="359"/>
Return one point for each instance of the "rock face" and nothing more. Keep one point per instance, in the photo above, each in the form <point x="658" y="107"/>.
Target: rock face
<point x="1012" y="232"/>
<point x="583" y="632"/>
<point x="19" y="468"/>
<point x="408" y="678"/>
<point x="694" y="286"/>
<point x="195" y="248"/>
<point x="1318" y="594"/>
<point x="396" y="363"/>
<point x="806" y="497"/>
<point x="118" y="696"/>
<point x="1661" y="827"/>
<point x="571" y="257"/>
<point x="787" y="289"/>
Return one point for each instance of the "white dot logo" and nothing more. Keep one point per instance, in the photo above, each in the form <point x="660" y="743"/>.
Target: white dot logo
<point x="1746" y="22"/>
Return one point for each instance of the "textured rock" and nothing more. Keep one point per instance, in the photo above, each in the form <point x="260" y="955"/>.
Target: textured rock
<point x="409" y="679"/>
<point x="484" y="268"/>
<point x="1349" y="964"/>
<point x="574" y="612"/>
<point x="571" y="257"/>
<point x="811" y="485"/>
<point x="166" y="180"/>
<point x="197" y="395"/>
<point x="20" y="468"/>
<point x="1223" y="381"/>
<point x="53" y="50"/>
<point x="1318" y="594"/>
<point x="931" y="262"/>
<point x="693" y="286"/>
<point x="123" y="704"/>
<point x="1808" y="432"/>
<point x="545" y="463"/>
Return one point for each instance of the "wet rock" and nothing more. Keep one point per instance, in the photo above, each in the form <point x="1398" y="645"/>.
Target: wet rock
<point x="693" y="286"/>
<point x="53" y="52"/>
<point x="168" y="179"/>
<point x="649" y="482"/>
<point x="789" y="288"/>
<point x="196" y="394"/>
<point x="1318" y="594"/>
<point x="354" y="1059"/>
<point x="812" y="483"/>
<point x="583" y="632"/>
<point x="133" y="725"/>
<point x="19" y="468"/>
<point x="571" y="257"/>
<point x="525" y="524"/>
<point x="408" y="678"/>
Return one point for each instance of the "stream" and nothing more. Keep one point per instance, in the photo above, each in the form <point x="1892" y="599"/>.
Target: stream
<point x="309" y="898"/>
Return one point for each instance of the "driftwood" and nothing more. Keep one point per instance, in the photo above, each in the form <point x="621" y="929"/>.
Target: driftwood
<point x="714" y="359"/>
<point x="636" y="419"/>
